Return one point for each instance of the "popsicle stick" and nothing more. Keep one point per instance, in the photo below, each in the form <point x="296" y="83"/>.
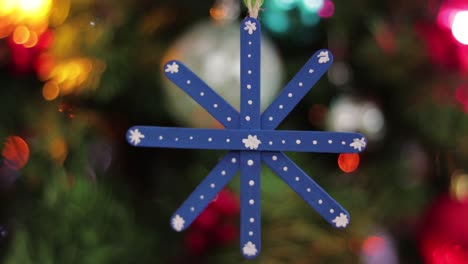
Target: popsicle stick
<point x="204" y="95"/>
<point x="297" y="88"/>
<point x="206" y="191"/>
<point x="244" y="139"/>
<point x="308" y="189"/>
<point x="250" y="217"/>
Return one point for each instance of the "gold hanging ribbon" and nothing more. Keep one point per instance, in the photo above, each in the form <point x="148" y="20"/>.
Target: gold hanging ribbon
<point x="254" y="8"/>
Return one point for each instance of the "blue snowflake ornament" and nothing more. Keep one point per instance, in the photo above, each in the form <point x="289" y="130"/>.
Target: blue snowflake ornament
<point x="251" y="138"/>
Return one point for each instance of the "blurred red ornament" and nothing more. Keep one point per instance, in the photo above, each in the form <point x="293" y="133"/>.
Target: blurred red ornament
<point x="215" y="225"/>
<point x="15" y="152"/>
<point x="207" y="220"/>
<point x="226" y="233"/>
<point x="226" y="203"/>
<point x="196" y="242"/>
<point x="348" y="162"/>
<point x="444" y="232"/>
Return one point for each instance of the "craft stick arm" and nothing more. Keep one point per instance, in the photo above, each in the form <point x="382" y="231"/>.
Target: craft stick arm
<point x="297" y="88"/>
<point x="308" y="189"/>
<point x="205" y="192"/>
<point x="250" y="165"/>
<point x="246" y="140"/>
<point x="204" y="95"/>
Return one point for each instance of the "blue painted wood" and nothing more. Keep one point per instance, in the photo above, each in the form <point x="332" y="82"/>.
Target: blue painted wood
<point x="250" y="216"/>
<point x="208" y="98"/>
<point x="251" y="140"/>
<point x="308" y="189"/>
<point x="297" y="88"/>
<point x="205" y="192"/>
<point x="250" y="224"/>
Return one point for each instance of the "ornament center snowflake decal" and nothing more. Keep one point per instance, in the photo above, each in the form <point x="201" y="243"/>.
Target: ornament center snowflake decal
<point x="251" y="138"/>
<point x="251" y="142"/>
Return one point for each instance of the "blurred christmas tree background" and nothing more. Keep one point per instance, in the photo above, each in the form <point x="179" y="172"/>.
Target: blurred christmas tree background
<point x="76" y="74"/>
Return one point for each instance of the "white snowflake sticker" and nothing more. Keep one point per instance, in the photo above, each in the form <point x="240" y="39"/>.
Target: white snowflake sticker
<point x="251" y="142"/>
<point x="341" y="221"/>
<point x="136" y="136"/>
<point x="172" y="68"/>
<point x="250" y="27"/>
<point x="178" y="223"/>
<point x="249" y="249"/>
<point x="358" y="143"/>
<point x="323" y="57"/>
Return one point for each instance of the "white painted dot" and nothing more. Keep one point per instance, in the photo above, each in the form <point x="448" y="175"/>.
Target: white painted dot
<point x="250" y="42"/>
<point x="250" y="102"/>
<point x="290" y="95"/>
<point x="270" y="143"/>
<point x="274" y="158"/>
<point x="191" y="138"/>
<point x="308" y="190"/>
<point x="332" y="211"/>
<point x="311" y="71"/>
<point x="251" y="183"/>
<point x="215" y="105"/>
<point x="250" y="233"/>
<point x="228" y="140"/>
<point x="301" y="84"/>
<point x="283" y="141"/>
<point x="249" y="86"/>
<point x="297" y="179"/>
<point x="249" y="72"/>
<point x="229" y="119"/>
<point x="176" y="139"/>
<point x="192" y="209"/>
<point x="298" y="141"/>
<point x="247" y="118"/>
<point x="161" y="137"/>
<point x="252" y="220"/>
<point x="223" y="172"/>
<point x="280" y="106"/>
<point x="202" y="197"/>
<point x="251" y="201"/>
<point x="330" y="141"/>
<point x="202" y="94"/>
<point x="285" y="168"/>
<point x="270" y="118"/>
<point x="314" y="142"/>
<point x="320" y="201"/>
<point x="250" y="162"/>
<point x="210" y="139"/>
<point x="343" y="143"/>
<point x="189" y="82"/>
<point x="249" y="55"/>
<point x="233" y="160"/>
<point x="212" y="185"/>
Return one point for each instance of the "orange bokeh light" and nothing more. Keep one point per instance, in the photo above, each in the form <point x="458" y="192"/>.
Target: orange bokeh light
<point x="32" y="40"/>
<point x="50" y="91"/>
<point x="58" y="150"/>
<point x="348" y="162"/>
<point x="15" y="152"/>
<point x="21" y="35"/>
